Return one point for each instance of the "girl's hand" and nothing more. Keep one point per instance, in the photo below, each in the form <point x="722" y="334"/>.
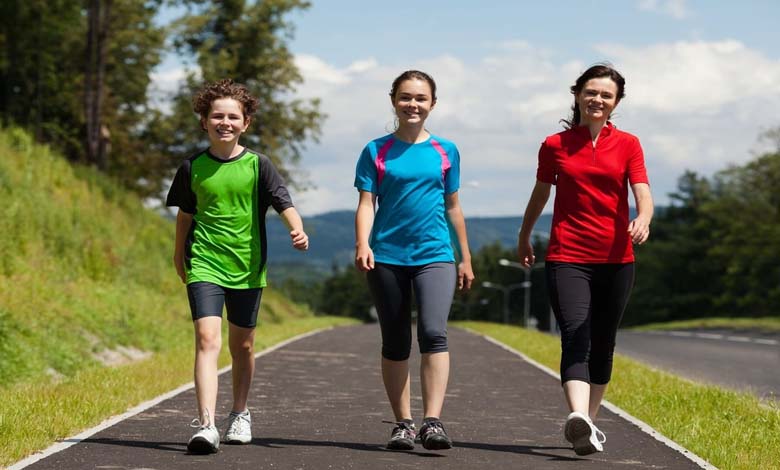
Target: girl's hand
<point x="364" y="258"/>
<point x="465" y="275"/>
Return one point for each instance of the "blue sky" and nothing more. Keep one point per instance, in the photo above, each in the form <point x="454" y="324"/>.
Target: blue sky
<point x="703" y="81"/>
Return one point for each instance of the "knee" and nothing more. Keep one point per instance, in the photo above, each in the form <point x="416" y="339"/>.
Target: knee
<point x="432" y="340"/>
<point x="396" y="353"/>
<point x="242" y="348"/>
<point x="209" y="342"/>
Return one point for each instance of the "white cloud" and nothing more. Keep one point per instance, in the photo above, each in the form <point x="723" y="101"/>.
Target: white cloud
<point x="695" y="76"/>
<point x="677" y="9"/>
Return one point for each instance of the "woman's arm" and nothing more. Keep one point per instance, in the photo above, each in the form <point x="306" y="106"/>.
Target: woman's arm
<point x="539" y="197"/>
<point x="639" y="228"/>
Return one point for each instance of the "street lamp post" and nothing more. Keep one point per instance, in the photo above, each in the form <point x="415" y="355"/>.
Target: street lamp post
<point x="505" y="290"/>
<point x="526" y="285"/>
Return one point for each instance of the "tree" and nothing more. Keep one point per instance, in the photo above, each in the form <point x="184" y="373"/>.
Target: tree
<point x="40" y="88"/>
<point x="77" y="87"/>
<point x="98" y="18"/>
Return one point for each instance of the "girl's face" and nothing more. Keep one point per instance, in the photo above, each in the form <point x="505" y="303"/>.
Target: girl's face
<point x="413" y="102"/>
<point x="225" y="122"/>
<point x="597" y="100"/>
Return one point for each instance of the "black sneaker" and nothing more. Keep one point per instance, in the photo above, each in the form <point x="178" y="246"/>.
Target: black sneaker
<point x="402" y="437"/>
<point x="433" y="436"/>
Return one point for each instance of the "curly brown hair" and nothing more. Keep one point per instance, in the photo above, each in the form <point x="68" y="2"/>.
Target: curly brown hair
<point x="225" y="88"/>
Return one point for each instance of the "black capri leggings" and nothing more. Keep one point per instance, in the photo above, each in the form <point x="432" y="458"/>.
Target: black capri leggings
<point x="391" y="287"/>
<point x="588" y="301"/>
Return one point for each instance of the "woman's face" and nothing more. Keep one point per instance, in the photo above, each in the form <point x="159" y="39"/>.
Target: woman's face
<point x="413" y="102"/>
<point x="597" y="100"/>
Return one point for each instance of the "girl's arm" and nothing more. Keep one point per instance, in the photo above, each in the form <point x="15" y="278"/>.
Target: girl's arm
<point x="458" y="222"/>
<point x="364" y="221"/>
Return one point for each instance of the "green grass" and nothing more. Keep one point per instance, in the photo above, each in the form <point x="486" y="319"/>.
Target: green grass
<point x="771" y="324"/>
<point x="86" y="268"/>
<point x="731" y="430"/>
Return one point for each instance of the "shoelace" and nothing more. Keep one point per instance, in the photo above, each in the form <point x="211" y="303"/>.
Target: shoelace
<point x="432" y="427"/>
<point x="405" y="430"/>
<point x="600" y="436"/>
<point x="239" y="423"/>
<point x="195" y="423"/>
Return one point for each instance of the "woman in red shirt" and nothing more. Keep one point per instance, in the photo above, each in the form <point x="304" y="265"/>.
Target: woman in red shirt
<point x="590" y="258"/>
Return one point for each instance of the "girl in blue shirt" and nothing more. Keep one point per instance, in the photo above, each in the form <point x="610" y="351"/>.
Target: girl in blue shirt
<point x="408" y="183"/>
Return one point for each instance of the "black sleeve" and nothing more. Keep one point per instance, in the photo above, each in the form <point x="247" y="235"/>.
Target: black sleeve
<point x="271" y="189"/>
<point x="180" y="195"/>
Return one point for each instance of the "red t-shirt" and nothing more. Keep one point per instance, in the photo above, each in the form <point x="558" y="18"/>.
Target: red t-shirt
<point x="590" y="217"/>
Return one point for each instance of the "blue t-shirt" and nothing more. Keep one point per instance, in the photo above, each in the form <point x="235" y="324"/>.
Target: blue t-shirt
<point x="410" y="181"/>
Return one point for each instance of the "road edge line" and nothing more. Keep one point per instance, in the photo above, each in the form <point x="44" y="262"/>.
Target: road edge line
<point x="108" y="422"/>
<point x="646" y="428"/>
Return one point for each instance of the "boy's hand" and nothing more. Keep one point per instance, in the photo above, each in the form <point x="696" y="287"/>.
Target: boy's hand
<point x="300" y="241"/>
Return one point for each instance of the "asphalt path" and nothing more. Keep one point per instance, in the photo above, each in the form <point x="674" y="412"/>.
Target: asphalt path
<point x="741" y="360"/>
<point x="318" y="403"/>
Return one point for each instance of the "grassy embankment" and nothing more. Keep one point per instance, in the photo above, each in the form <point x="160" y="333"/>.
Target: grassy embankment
<point x="731" y="430"/>
<point x="86" y="277"/>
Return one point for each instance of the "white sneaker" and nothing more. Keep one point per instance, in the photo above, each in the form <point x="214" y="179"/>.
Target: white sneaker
<point x="239" y="429"/>
<point x="583" y="434"/>
<point x="205" y="441"/>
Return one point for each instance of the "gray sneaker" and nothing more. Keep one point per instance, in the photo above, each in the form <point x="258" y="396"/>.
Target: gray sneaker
<point x="204" y="441"/>
<point x="239" y="429"/>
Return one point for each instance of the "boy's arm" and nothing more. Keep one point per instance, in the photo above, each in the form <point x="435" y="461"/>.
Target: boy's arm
<point x="294" y="223"/>
<point x="183" y="224"/>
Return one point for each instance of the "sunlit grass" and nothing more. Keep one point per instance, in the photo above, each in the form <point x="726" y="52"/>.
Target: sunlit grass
<point x="731" y="430"/>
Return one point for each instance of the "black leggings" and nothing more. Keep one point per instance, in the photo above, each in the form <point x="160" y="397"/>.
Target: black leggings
<point x="588" y="301"/>
<point x="391" y="287"/>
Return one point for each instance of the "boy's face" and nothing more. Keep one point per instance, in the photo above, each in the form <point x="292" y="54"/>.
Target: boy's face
<point x="225" y="122"/>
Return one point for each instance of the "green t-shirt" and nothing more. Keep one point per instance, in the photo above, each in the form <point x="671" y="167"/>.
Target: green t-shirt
<point x="227" y="244"/>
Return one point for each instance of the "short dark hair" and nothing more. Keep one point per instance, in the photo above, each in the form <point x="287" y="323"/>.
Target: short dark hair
<point x="411" y="75"/>
<point x="225" y="88"/>
<point x="600" y="70"/>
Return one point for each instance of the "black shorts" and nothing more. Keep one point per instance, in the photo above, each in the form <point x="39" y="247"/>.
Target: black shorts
<point x="208" y="299"/>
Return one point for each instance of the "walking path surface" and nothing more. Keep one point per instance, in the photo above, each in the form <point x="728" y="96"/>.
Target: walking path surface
<point x="318" y="403"/>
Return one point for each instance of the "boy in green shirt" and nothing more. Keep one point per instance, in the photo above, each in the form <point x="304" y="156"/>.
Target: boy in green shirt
<point x="222" y="194"/>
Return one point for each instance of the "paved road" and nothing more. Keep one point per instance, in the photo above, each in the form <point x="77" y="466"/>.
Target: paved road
<point x="746" y="361"/>
<point x="318" y="404"/>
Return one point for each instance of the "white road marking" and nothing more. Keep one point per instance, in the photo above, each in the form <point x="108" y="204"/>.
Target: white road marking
<point x="714" y="336"/>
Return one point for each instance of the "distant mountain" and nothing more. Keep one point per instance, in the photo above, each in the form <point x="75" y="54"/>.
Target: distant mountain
<point x="332" y="241"/>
